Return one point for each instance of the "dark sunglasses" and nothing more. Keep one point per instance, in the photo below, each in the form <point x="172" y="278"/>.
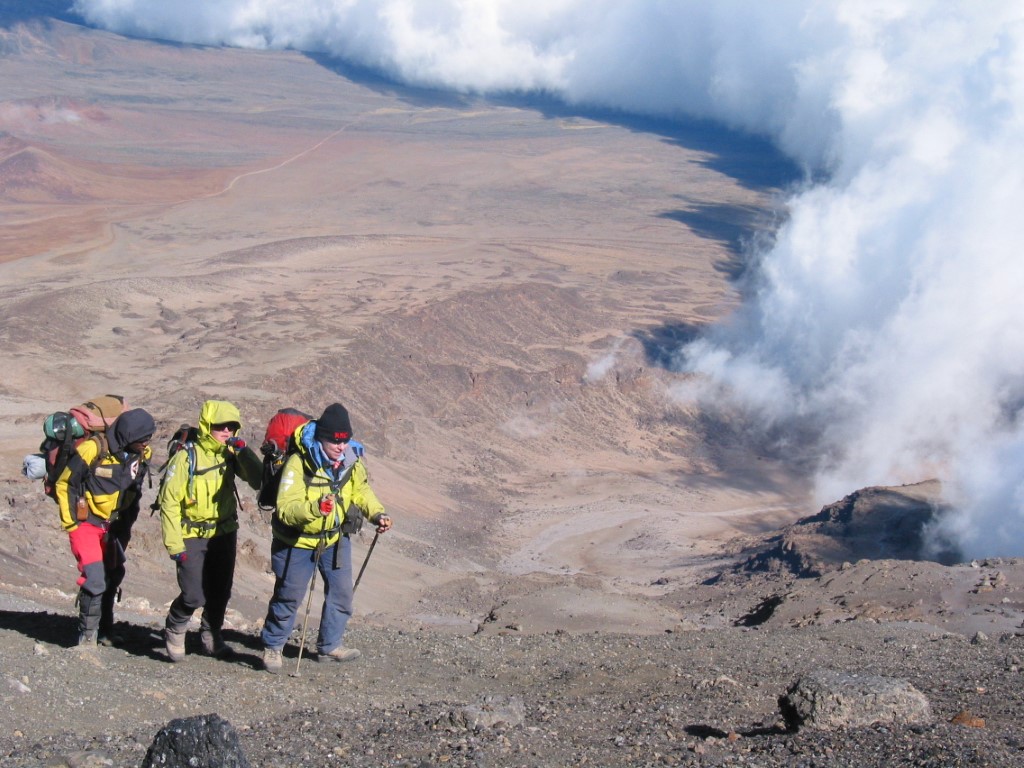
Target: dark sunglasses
<point x="338" y="439"/>
<point x="232" y="425"/>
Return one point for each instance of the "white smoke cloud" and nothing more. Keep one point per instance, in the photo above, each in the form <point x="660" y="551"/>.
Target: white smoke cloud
<point x="598" y="369"/>
<point x="24" y="114"/>
<point x="888" y="312"/>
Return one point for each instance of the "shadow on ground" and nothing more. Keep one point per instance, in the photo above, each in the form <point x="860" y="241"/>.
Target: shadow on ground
<point x="743" y="230"/>
<point x="661" y="343"/>
<point x="145" y="640"/>
<point x="710" y="732"/>
<point x="752" y="161"/>
<point x="139" y="640"/>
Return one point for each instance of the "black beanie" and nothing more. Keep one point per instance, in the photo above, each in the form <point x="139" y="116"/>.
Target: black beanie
<point x="333" y="424"/>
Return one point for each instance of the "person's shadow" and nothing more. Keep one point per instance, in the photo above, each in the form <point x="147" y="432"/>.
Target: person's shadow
<point x="139" y="640"/>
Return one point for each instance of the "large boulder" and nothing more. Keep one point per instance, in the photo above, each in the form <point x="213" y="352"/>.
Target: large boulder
<point x="491" y="711"/>
<point x="825" y="700"/>
<point x="203" y="741"/>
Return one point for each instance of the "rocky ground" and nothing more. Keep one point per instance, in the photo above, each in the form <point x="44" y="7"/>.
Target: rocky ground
<point x="506" y="689"/>
<point x="419" y="698"/>
<point x="705" y="693"/>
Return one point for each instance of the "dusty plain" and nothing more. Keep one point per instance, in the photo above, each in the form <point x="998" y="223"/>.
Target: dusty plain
<point x="491" y="290"/>
<point x="494" y="288"/>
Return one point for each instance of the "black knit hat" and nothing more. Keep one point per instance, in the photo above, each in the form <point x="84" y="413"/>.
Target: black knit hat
<point x="333" y="424"/>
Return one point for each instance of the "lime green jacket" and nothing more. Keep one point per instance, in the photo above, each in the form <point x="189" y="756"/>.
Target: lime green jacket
<point x="201" y="504"/>
<point x="297" y="520"/>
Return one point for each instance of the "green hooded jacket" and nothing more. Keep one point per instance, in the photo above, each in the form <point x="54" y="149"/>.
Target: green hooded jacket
<point x="204" y="505"/>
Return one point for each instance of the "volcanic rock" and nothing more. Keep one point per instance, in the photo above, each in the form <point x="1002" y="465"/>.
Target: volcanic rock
<point x="827" y="700"/>
<point x="205" y="741"/>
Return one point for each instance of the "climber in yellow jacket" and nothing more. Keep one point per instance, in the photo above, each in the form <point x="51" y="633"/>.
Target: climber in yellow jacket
<point x="199" y="521"/>
<point x="324" y="496"/>
<point x="98" y="496"/>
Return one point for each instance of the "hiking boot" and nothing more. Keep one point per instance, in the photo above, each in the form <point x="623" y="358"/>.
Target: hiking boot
<point x="110" y="639"/>
<point x="341" y="653"/>
<point x="272" y="660"/>
<point x="214" y="645"/>
<point x="108" y="636"/>
<point x="87" y="638"/>
<point x="175" y="644"/>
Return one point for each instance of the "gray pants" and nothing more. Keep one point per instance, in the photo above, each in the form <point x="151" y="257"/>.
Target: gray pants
<point x="205" y="580"/>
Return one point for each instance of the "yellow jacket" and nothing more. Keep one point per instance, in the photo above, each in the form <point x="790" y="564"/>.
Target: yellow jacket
<point x="103" y="473"/>
<point x="199" y="502"/>
<point x="297" y="520"/>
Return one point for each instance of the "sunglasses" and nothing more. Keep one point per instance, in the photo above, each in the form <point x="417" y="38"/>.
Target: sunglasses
<point x="339" y="439"/>
<point x="231" y="426"/>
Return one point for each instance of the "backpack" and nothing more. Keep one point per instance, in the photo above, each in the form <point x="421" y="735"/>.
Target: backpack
<point x="278" y="445"/>
<point x="64" y="431"/>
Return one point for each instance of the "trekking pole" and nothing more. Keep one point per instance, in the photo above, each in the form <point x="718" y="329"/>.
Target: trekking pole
<point x="366" y="560"/>
<point x="316" y="564"/>
<point x="309" y="599"/>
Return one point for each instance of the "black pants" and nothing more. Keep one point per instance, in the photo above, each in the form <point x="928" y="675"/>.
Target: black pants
<point x="114" y="558"/>
<point x="205" y="580"/>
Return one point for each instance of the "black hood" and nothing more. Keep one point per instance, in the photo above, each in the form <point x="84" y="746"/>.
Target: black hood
<point x="129" y="427"/>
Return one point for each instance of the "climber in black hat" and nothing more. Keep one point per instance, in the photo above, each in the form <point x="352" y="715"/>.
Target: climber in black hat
<point x="323" y="498"/>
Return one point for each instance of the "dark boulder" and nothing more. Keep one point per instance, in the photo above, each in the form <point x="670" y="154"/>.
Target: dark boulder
<point x="869" y="524"/>
<point x="203" y="741"/>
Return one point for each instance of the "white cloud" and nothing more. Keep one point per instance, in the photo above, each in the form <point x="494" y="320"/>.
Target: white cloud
<point x="889" y="309"/>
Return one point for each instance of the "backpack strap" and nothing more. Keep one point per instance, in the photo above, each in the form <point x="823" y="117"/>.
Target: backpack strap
<point x="194" y="471"/>
<point x="63" y="455"/>
<point x="80" y="469"/>
<point x="102" y="447"/>
<point x="273" y="465"/>
<point x="335" y="486"/>
<point x="192" y="463"/>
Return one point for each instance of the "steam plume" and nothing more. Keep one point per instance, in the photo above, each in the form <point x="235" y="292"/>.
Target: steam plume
<point x="888" y="316"/>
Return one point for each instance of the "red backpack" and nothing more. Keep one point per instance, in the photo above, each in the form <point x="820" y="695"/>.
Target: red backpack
<point x="278" y="445"/>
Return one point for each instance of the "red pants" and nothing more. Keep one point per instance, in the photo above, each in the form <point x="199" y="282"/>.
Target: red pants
<point x="88" y="545"/>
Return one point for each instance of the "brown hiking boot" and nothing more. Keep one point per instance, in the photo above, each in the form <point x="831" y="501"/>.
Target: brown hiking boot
<point x="272" y="660"/>
<point x="214" y="645"/>
<point x="341" y="653"/>
<point x="175" y="644"/>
